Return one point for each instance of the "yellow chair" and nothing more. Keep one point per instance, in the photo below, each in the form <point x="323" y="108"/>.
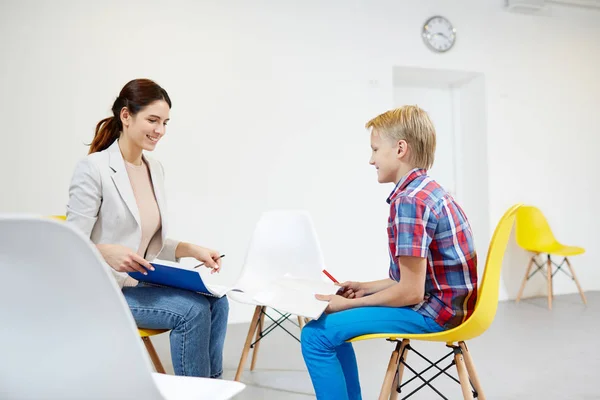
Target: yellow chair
<point x="144" y="333"/>
<point x="480" y="320"/>
<point x="533" y="234"/>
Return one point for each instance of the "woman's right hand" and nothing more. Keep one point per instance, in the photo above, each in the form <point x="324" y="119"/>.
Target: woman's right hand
<point x="351" y="290"/>
<point x="123" y="259"/>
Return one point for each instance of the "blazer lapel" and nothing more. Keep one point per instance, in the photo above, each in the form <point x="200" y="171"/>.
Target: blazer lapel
<point x="121" y="180"/>
<point x="157" y="183"/>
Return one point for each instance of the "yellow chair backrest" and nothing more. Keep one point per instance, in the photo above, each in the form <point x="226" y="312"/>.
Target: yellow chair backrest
<point x="533" y="231"/>
<point x="487" y="303"/>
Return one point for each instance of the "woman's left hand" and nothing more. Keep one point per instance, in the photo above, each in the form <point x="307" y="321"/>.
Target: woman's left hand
<point x="210" y="258"/>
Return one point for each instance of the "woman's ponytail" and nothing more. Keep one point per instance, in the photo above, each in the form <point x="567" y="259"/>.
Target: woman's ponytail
<point x="107" y="131"/>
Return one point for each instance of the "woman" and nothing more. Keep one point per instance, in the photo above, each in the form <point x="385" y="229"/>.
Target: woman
<point x="117" y="198"/>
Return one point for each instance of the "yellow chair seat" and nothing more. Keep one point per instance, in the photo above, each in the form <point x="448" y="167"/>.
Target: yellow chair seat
<point x="449" y="336"/>
<point x="559" y="250"/>
<point x="468" y="330"/>
<point x="151" y="332"/>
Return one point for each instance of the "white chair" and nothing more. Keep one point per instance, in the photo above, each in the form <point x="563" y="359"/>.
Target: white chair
<point x="283" y="242"/>
<point x="66" y="331"/>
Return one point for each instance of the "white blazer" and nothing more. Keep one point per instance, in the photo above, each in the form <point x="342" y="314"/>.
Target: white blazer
<point x="102" y="205"/>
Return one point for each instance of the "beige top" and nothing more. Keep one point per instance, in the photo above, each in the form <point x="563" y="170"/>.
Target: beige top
<point x="141" y="183"/>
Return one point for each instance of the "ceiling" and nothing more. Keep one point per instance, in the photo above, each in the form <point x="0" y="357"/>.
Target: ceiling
<point x="581" y="3"/>
<point x="533" y="6"/>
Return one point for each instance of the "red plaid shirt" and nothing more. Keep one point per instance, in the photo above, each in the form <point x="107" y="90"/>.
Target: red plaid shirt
<point x="425" y="221"/>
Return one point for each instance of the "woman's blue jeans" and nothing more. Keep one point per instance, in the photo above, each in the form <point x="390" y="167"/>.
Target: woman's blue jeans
<point x="198" y="325"/>
<point x="330" y="359"/>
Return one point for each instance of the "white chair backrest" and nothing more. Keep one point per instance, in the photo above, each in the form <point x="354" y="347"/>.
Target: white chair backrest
<point x="65" y="332"/>
<point x="284" y="242"/>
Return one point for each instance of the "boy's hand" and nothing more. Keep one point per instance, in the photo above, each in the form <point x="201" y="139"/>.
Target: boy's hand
<point x="336" y="302"/>
<point x="351" y="290"/>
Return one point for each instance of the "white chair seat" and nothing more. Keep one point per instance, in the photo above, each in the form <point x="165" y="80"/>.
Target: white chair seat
<point x="188" y="388"/>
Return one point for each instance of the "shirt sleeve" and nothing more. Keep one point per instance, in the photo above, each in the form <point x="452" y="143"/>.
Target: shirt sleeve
<point x="414" y="224"/>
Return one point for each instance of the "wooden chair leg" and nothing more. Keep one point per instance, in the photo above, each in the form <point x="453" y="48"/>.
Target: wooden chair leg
<point x="576" y="280"/>
<point x="259" y="330"/>
<point x="246" y="349"/>
<point x="153" y="355"/>
<point x="525" y="278"/>
<point x="549" y="276"/>
<point x="463" y="376"/>
<point x="390" y="375"/>
<point x="398" y="376"/>
<point x="471" y="370"/>
<point x="393" y="392"/>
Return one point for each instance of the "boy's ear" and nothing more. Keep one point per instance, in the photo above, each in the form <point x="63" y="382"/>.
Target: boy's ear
<point x="401" y="148"/>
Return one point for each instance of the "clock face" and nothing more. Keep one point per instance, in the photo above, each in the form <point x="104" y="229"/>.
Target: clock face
<point x="439" y="34"/>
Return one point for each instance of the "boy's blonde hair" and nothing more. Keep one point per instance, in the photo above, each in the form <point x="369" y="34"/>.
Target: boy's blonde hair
<point x="412" y="124"/>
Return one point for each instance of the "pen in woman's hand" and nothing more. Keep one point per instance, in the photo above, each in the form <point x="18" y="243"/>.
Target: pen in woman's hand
<point x="201" y="264"/>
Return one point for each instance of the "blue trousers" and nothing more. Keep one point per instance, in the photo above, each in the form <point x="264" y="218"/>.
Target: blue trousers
<point x="331" y="361"/>
<point x="198" y="325"/>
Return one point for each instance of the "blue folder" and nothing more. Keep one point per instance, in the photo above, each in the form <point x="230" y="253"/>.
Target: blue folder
<point x="164" y="275"/>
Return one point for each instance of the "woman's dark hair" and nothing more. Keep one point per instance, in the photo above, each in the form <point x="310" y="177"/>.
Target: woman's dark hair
<point x="135" y="95"/>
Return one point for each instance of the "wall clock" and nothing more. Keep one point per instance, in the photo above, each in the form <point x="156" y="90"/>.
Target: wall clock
<point x="439" y="34"/>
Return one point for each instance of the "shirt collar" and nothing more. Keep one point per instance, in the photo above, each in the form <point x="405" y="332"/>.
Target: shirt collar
<point x="405" y="181"/>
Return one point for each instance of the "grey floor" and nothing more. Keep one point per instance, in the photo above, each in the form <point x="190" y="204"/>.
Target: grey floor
<point x="528" y="353"/>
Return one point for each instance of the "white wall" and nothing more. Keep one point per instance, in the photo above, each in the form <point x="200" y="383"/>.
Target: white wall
<point x="456" y="101"/>
<point x="473" y="183"/>
<point x="439" y="105"/>
<point x="269" y="103"/>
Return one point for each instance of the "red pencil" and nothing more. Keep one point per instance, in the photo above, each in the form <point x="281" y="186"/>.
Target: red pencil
<point x="329" y="276"/>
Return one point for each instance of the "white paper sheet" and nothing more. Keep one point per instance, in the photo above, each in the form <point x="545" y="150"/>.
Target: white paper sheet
<point x="296" y="296"/>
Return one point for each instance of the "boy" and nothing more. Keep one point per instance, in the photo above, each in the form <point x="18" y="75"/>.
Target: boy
<point x="432" y="284"/>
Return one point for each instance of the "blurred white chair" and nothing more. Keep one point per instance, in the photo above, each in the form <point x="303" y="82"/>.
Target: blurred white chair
<point x="283" y="242"/>
<point x="66" y="331"/>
